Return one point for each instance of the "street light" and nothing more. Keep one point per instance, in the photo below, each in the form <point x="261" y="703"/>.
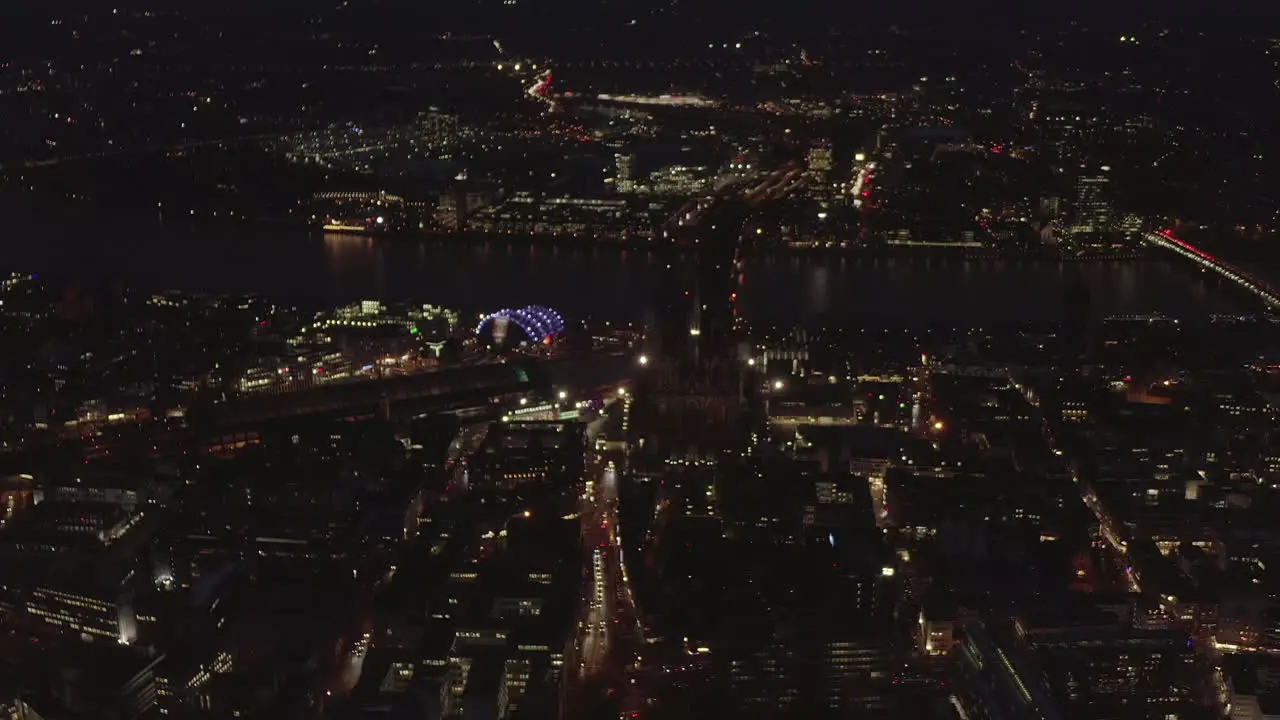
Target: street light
<point x="643" y="360"/>
<point x="622" y="391"/>
<point x="778" y="384"/>
<point x="563" y="395"/>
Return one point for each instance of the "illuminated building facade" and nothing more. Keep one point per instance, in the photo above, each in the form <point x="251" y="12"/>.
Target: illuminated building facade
<point x="625" y="172"/>
<point x="820" y="157"/>
<point x="615" y="219"/>
<point x="90" y="615"/>
<point x="1092" y="210"/>
<point x="529" y="453"/>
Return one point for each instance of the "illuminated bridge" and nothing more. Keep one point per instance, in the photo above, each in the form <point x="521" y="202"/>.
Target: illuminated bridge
<point x="1165" y="239"/>
<point x="404" y="396"/>
<point x="367" y="197"/>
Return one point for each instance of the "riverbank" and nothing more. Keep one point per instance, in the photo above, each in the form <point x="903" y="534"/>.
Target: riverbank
<point x="583" y="242"/>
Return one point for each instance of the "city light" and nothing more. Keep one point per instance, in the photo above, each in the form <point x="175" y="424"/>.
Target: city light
<point x="915" y="238"/>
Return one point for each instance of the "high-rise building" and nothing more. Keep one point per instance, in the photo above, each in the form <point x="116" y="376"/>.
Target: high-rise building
<point x="1092" y="211"/>
<point x="1051" y="206"/>
<point x="88" y="613"/>
<point x="451" y="210"/>
<point x="820" y="156"/>
<point x="439" y="128"/>
<point x="624" y="175"/>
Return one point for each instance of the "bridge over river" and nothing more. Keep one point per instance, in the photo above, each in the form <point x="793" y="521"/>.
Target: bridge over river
<point x="1165" y="239"/>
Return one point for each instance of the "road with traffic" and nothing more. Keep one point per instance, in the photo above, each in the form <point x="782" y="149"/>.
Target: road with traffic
<point x="609" y="632"/>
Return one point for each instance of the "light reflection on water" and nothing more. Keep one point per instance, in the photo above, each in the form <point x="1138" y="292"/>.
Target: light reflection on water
<point x="604" y="281"/>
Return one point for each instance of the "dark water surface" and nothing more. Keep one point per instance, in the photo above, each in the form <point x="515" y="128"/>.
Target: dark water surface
<point x="602" y="281"/>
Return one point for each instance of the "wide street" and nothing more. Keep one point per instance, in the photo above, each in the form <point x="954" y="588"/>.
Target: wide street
<point x="608" y="627"/>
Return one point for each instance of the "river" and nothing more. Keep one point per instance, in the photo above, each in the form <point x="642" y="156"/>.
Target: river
<point x="606" y="282"/>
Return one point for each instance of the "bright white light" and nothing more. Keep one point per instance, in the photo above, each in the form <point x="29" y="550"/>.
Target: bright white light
<point x="381" y="220"/>
<point x="822" y="216"/>
<point x="887" y="571"/>
<point x="622" y="391"/>
<point x="777" y="384"/>
<point x="751" y="362"/>
<point x="524" y="401"/>
<point x="643" y="359"/>
<point x="563" y="395"/>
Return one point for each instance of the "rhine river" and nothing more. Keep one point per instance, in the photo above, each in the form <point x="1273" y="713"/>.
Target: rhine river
<point x="605" y="282"/>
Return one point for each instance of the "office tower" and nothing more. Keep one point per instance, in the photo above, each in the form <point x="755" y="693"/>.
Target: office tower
<point x="1051" y="206"/>
<point x="439" y="128"/>
<point x="451" y="210"/>
<point x="624" y="175"/>
<point x="1092" y="212"/>
<point x="820" y="156"/>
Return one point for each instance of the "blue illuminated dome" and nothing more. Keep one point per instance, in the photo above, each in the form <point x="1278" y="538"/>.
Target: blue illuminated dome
<point x="534" y="322"/>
